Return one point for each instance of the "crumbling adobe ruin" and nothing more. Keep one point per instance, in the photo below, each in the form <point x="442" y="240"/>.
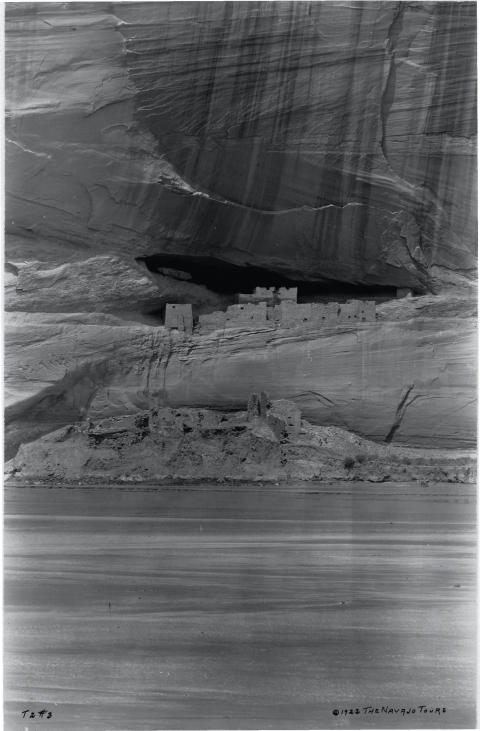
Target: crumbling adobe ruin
<point x="283" y="417"/>
<point x="269" y="442"/>
<point x="271" y="307"/>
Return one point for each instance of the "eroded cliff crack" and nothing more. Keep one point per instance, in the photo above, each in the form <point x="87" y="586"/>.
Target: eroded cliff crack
<point x="400" y="413"/>
<point x="396" y="58"/>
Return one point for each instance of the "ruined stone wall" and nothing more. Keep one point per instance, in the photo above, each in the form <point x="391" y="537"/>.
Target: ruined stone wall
<point x="183" y="421"/>
<point x="283" y="417"/>
<point x="260" y="294"/>
<point x="179" y="317"/>
<point x="274" y="314"/>
<point x="326" y="314"/>
<point x="210" y="323"/>
<point x="288" y="314"/>
<point x="318" y="314"/>
<point x="247" y="315"/>
<point x="287" y="294"/>
<point x="357" y="310"/>
<point x="241" y="315"/>
<point x="352" y="311"/>
<point x="367" y="311"/>
<point x="293" y="314"/>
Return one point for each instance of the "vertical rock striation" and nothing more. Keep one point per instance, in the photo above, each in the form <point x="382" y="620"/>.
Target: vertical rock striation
<point x="323" y="141"/>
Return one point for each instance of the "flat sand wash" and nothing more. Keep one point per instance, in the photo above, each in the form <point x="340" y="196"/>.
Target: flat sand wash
<point x="220" y="608"/>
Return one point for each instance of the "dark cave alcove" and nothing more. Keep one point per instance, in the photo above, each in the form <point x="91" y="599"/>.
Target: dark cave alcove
<point x="229" y="279"/>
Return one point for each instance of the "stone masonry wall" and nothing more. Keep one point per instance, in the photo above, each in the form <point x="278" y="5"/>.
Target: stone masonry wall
<point x="274" y="314"/>
<point x="292" y="314"/>
<point x="210" y="323"/>
<point x="247" y="315"/>
<point x="357" y="310"/>
<point x="179" y="317"/>
<point x="288" y="314"/>
<point x="260" y="294"/>
<point x="332" y="313"/>
<point x="283" y="417"/>
<point x="241" y="315"/>
<point x="287" y="294"/>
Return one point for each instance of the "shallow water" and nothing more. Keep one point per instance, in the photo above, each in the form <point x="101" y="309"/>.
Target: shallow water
<point x="251" y="607"/>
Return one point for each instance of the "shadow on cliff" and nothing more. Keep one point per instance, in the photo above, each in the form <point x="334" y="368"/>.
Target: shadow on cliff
<point x="60" y="404"/>
<point x="226" y="278"/>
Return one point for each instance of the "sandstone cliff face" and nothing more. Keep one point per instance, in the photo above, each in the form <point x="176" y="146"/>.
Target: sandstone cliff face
<point x="407" y="382"/>
<point x="323" y="141"/>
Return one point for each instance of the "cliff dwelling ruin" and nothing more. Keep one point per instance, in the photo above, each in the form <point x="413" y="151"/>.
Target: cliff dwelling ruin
<point x="223" y="294"/>
<point x="240" y="370"/>
<point x="270" y="306"/>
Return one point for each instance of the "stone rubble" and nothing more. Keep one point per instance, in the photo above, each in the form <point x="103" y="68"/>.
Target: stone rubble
<point x="270" y="442"/>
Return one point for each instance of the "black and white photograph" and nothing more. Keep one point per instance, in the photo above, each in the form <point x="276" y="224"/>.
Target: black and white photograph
<point x="240" y="365"/>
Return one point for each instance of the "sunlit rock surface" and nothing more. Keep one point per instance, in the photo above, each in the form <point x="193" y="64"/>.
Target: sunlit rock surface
<point x="323" y="140"/>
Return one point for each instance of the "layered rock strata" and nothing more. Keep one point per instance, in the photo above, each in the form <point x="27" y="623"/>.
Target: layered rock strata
<point x="325" y="141"/>
<point x="100" y="284"/>
<point x="409" y="381"/>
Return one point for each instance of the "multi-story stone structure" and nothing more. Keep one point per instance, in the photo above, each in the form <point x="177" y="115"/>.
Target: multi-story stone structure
<point x="274" y="308"/>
